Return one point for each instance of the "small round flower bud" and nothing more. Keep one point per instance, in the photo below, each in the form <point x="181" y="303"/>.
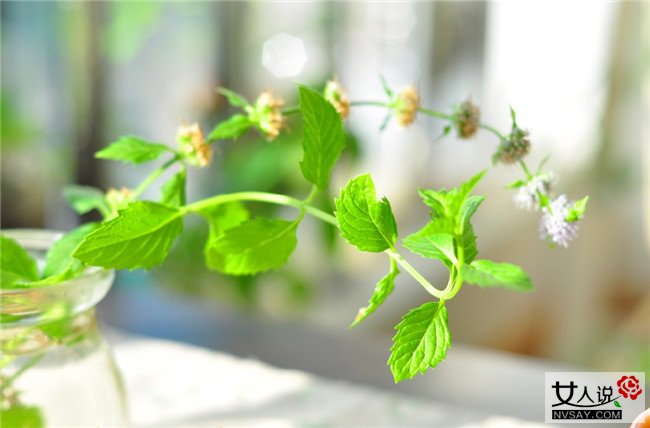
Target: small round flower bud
<point x="336" y="96"/>
<point x="514" y="148"/>
<point x="267" y="115"/>
<point x="191" y="141"/>
<point x="467" y="118"/>
<point x="407" y="105"/>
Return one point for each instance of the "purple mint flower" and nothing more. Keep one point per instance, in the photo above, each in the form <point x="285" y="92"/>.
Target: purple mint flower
<point x="554" y="227"/>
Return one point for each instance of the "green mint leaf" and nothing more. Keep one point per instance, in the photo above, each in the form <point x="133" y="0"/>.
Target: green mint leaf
<point x="383" y="289"/>
<point x="516" y="184"/>
<point x="448" y="203"/>
<point x="132" y="149"/>
<point x="234" y="99"/>
<point x="387" y="90"/>
<point x="364" y="221"/>
<point x="232" y="128"/>
<point x="436" y="200"/>
<point x="139" y="237"/>
<point x="486" y="273"/>
<point x="221" y="218"/>
<point x="323" y="140"/>
<point x="451" y="212"/>
<point x="469" y="243"/>
<point x="173" y="191"/>
<point x="577" y="211"/>
<point x="421" y="342"/>
<point x="432" y="245"/>
<point x="466" y="188"/>
<point x="469" y="207"/>
<point x="22" y="416"/>
<point x="253" y="246"/>
<point x="449" y="219"/>
<point x="59" y="258"/>
<point x="84" y="199"/>
<point x="16" y="265"/>
<point x="225" y="216"/>
<point x="617" y="404"/>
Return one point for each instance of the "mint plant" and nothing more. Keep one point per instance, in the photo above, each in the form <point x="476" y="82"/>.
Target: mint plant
<point x="138" y="233"/>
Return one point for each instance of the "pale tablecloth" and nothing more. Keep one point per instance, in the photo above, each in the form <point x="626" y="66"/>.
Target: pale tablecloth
<point x="169" y="384"/>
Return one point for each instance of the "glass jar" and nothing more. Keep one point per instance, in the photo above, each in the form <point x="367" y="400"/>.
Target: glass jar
<point x="56" y="369"/>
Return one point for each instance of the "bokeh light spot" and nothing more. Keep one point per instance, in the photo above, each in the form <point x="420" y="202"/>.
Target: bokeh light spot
<point x="284" y="55"/>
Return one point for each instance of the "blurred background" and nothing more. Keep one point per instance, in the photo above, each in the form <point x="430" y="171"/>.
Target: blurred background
<point x="76" y="76"/>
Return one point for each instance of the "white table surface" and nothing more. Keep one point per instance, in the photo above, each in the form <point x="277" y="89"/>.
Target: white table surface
<point x="170" y="384"/>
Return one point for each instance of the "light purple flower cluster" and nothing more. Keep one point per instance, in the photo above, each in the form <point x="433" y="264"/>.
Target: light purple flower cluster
<point x="554" y="226"/>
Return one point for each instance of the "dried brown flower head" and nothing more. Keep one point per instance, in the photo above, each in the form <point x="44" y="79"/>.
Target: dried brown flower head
<point x="190" y="138"/>
<point x="514" y="148"/>
<point x="268" y="115"/>
<point x="408" y="103"/>
<point x="467" y="118"/>
<point x="337" y="97"/>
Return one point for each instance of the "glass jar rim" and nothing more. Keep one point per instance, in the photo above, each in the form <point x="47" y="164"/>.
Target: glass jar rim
<point x="28" y="305"/>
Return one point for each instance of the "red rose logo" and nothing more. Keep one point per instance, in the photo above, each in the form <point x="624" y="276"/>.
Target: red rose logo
<point x="629" y="387"/>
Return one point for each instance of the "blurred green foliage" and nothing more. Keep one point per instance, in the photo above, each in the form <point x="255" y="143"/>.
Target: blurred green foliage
<point x="17" y="128"/>
<point x="128" y="28"/>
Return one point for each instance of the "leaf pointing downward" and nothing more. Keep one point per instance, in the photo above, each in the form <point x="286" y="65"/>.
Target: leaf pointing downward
<point x="383" y="289"/>
<point x="421" y="342"/>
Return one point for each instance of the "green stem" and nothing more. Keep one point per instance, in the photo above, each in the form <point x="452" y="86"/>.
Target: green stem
<point x="455" y="286"/>
<point x="370" y="103"/>
<point x="271" y="198"/>
<point x="155" y="174"/>
<point x="414" y="273"/>
<point x="455" y="274"/>
<point x="450" y="283"/>
<point x="312" y="194"/>
<point x="525" y="168"/>
<point x="437" y="114"/>
<point x="493" y="130"/>
<point x="291" y="110"/>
